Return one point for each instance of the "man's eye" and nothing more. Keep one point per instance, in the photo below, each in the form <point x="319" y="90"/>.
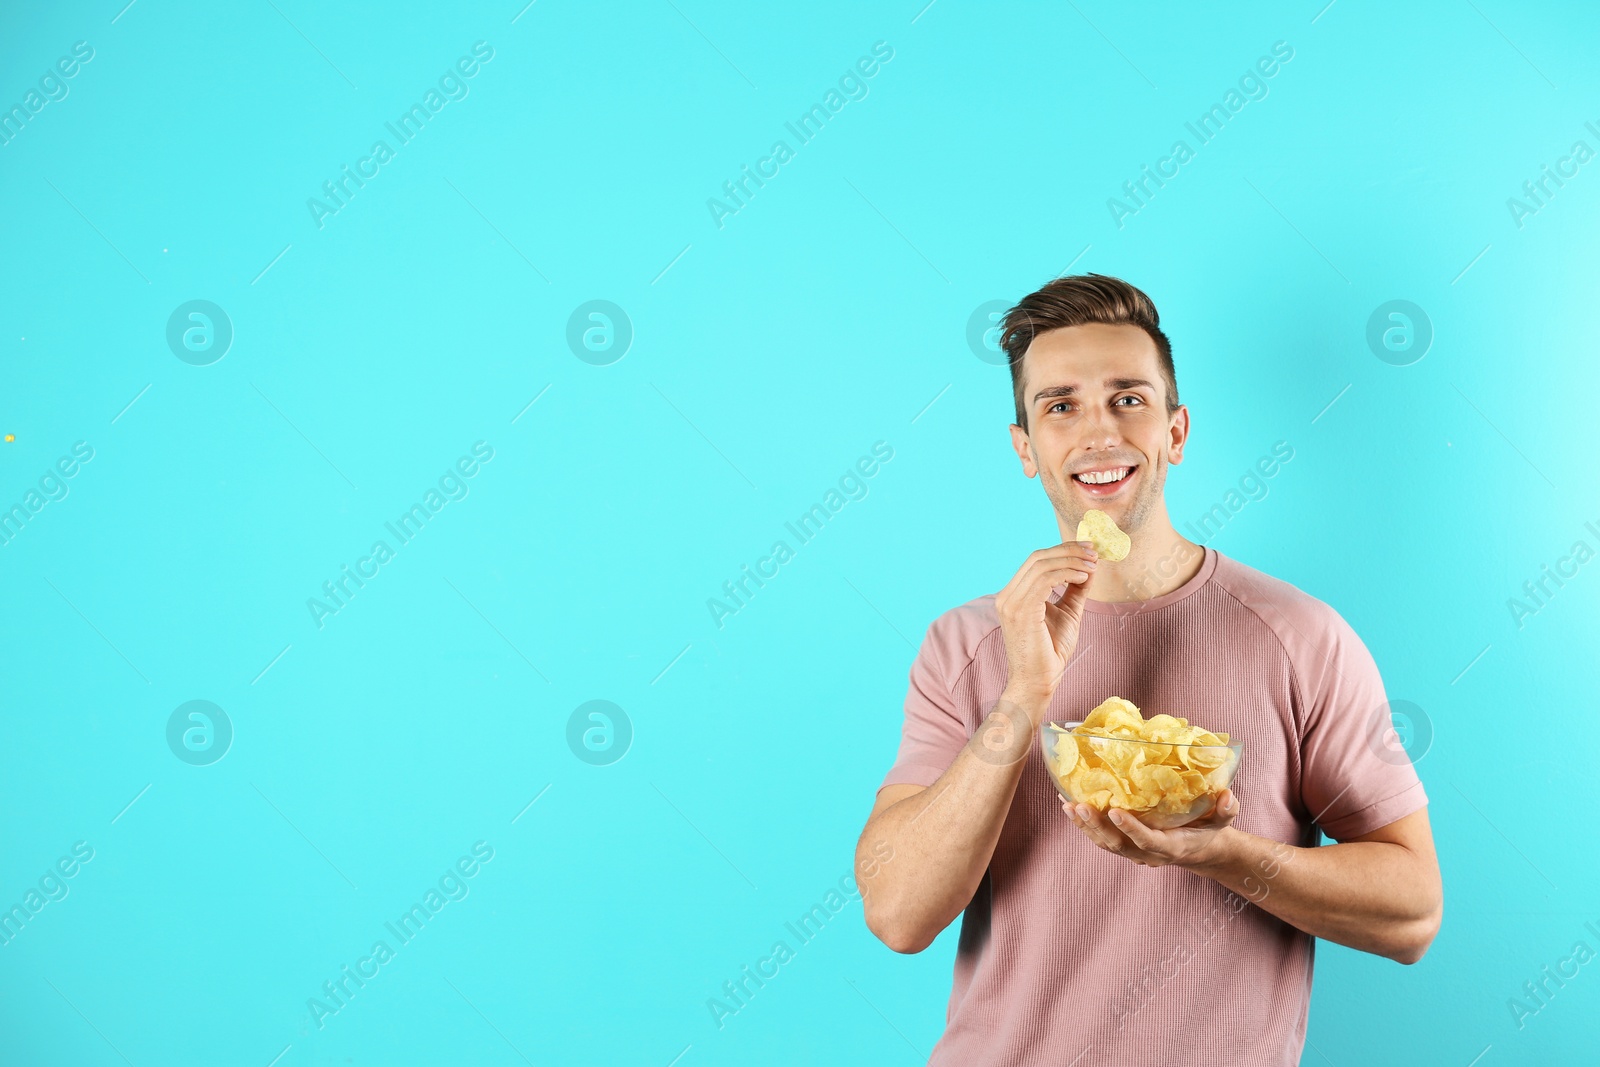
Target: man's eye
<point x="1135" y="399"/>
<point x="1057" y="404"/>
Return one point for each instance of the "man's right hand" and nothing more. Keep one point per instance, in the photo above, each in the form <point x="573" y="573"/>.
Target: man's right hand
<point x="1040" y="636"/>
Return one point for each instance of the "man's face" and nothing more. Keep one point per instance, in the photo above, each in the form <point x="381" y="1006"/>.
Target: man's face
<point x="1099" y="434"/>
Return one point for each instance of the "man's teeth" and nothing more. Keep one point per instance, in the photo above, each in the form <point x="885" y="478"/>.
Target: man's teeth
<point x="1103" y="477"/>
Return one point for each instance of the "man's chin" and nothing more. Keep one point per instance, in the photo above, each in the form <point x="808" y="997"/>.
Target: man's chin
<point x="1129" y="513"/>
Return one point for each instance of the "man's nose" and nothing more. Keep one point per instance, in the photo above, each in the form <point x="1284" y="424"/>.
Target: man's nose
<point x="1100" y="431"/>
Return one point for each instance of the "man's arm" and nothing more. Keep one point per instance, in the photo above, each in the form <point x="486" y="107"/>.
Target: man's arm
<point x="925" y="849"/>
<point x="1379" y="892"/>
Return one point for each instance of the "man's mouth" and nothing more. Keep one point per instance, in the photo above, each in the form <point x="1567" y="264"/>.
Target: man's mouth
<point x="1104" y="481"/>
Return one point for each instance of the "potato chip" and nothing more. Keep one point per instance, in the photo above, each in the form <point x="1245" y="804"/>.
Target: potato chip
<point x="1166" y="722"/>
<point x="1204" y="758"/>
<point x="1158" y="779"/>
<point x="1109" y="541"/>
<point x="1066" y="754"/>
<point x="1153" y="783"/>
<point x="1182" y="800"/>
<point x="1101" y="717"/>
<point x="1119" y="755"/>
<point x="1123" y="722"/>
<point x="1094" y="785"/>
<point x="1156" y="752"/>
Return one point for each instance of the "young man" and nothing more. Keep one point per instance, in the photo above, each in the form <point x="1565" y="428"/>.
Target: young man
<point x="1088" y="939"/>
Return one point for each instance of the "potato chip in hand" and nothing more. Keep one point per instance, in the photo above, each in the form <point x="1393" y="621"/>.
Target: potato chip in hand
<point x="1109" y="541"/>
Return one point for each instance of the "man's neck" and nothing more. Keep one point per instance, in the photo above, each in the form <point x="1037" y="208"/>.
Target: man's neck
<point x="1160" y="561"/>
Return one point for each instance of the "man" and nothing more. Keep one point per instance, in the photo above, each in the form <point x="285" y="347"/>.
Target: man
<point x="1086" y="937"/>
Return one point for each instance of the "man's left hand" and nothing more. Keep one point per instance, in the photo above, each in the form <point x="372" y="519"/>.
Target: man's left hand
<point x="1121" y="832"/>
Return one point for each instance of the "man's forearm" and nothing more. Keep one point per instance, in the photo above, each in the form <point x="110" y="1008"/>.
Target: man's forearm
<point x="1375" y="896"/>
<point x="942" y="838"/>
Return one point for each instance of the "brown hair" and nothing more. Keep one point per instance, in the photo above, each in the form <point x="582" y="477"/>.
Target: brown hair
<point x="1073" y="301"/>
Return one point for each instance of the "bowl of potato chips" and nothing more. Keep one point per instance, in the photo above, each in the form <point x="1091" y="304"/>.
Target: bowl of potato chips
<point x="1162" y="770"/>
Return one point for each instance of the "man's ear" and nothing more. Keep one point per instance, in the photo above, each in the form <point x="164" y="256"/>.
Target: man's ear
<point x="1178" y="434"/>
<point x="1024" y="450"/>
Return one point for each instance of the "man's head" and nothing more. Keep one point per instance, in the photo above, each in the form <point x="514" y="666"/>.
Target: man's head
<point x="1096" y="397"/>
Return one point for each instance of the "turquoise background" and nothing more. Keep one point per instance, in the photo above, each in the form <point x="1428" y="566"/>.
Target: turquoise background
<point x="831" y="312"/>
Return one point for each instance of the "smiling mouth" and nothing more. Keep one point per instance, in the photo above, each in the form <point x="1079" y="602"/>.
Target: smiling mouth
<point x="1102" y="479"/>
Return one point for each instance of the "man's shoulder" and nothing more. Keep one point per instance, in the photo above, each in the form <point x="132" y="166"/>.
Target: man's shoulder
<point x="956" y="635"/>
<point x="1310" y="630"/>
<point x="1238" y="576"/>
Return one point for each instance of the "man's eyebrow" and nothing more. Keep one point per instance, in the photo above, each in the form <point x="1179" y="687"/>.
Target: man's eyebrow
<point x="1056" y="391"/>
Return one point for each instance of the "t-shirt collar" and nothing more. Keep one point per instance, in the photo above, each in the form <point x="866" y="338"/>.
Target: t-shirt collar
<point x="1139" y="607"/>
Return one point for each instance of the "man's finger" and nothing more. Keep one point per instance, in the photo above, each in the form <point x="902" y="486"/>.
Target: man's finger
<point x="1141" y="835"/>
<point x="1045" y="559"/>
<point x="1104" y="833"/>
<point x="1069" y="604"/>
<point x="1047" y="576"/>
<point x="1069" y="550"/>
<point x="1045" y="570"/>
<point x="1223" y="814"/>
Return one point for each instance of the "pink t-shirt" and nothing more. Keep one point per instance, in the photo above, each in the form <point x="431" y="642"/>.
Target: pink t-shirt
<point x="1070" y="955"/>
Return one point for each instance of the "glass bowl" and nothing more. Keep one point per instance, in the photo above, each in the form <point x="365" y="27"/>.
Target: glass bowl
<point x="1167" y="773"/>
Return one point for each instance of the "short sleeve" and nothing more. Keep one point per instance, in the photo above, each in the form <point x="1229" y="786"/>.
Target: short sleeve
<point x="1355" y="776"/>
<point x="933" y="733"/>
